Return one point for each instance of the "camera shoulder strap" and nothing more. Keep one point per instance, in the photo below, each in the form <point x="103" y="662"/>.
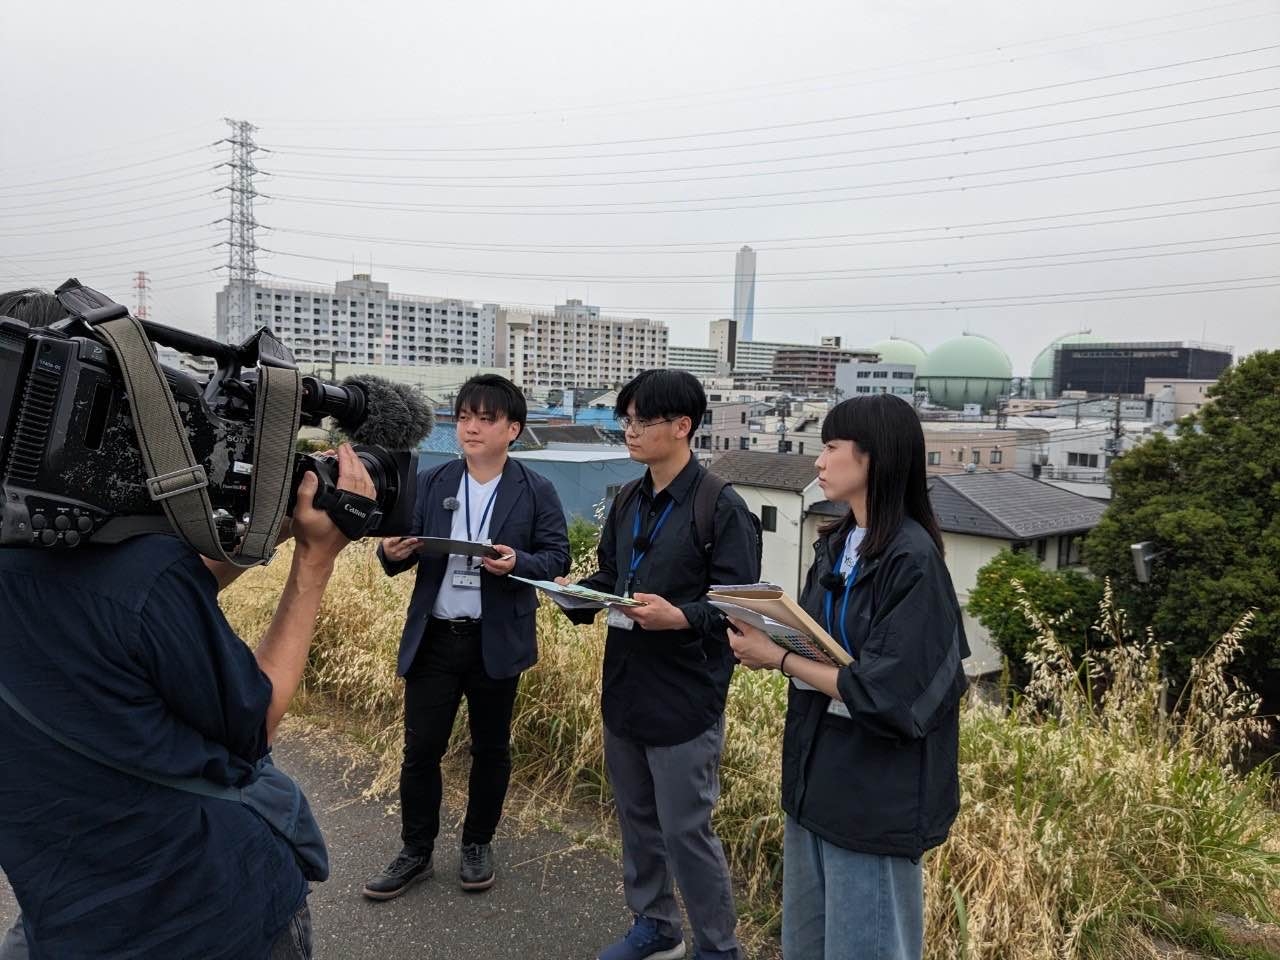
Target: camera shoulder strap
<point x="176" y="480"/>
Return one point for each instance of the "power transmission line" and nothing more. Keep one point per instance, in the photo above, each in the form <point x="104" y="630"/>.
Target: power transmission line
<point x="891" y="111"/>
<point x="1002" y="52"/>
<point x="433" y="182"/>
<point x="1234" y="284"/>
<point x="866" y="238"/>
<point x="858" y="273"/>
<point x="613" y="208"/>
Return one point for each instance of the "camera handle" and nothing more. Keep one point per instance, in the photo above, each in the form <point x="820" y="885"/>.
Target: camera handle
<point x="353" y="514"/>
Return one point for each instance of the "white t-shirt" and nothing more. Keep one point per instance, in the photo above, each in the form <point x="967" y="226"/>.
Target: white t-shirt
<point x="849" y="559"/>
<point x="453" y="602"/>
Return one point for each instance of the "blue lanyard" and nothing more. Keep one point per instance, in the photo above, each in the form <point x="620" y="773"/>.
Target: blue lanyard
<point x="638" y="555"/>
<point x="844" y="609"/>
<point x="466" y="494"/>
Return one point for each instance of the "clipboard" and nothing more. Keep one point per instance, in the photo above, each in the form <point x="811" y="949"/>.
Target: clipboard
<point x="571" y="596"/>
<point x="457" y="548"/>
<point x="772" y="602"/>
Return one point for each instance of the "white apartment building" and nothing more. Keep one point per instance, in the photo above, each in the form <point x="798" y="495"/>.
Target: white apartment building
<point x="363" y="322"/>
<point x="754" y="358"/>
<point x="700" y="361"/>
<point x="576" y="346"/>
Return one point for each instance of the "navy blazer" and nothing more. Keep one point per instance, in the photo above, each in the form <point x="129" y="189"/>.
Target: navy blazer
<point x="527" y="517"/>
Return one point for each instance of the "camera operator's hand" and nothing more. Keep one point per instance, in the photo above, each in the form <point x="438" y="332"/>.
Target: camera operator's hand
<point x="318" y="539"/>
<point x="397" y="549"/>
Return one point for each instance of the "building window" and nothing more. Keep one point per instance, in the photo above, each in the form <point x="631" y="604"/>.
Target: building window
<point x="769" y="518"/>
<point x="1089" y="460"/>
<point x="801" y="449"/>
<point x="744" y="417"/>
<point x="935" y="458"/>
<point x="1069" y="550"/>
<point x="960" y="455"/>
<point x="743" y="444"/>
<point x="612" y="490"/>
<point x="977" y="455"/>
<point x="997" y="456"/>
<point x="706" y="419"/>
<point x="1042" y="549"/>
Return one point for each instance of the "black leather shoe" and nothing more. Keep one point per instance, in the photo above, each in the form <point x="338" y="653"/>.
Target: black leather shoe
<point x="405" y="870"/>
<point x="476" y="870"/>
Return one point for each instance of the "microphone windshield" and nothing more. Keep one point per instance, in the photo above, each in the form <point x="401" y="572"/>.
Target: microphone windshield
<point x="396" y="416"/>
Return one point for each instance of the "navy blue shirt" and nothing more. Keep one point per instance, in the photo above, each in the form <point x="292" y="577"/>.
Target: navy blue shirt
<point x="124" y="649"/>
<point x="665" y="687"/>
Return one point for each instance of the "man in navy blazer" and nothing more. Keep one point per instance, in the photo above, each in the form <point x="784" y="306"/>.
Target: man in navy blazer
<point x="471" y="629"/>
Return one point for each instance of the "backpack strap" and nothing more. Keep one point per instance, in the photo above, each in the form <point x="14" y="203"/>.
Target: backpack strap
<point x="705" y="496"/>
<point x="629" y="490"/>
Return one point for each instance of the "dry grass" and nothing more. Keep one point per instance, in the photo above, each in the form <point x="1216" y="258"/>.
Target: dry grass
<point x="1091" y="826"/>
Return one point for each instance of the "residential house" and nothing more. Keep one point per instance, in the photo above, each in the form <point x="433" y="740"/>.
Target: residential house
<point x="980" y="514"/>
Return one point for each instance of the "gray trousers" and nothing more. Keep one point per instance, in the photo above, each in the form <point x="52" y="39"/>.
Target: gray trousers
<point x="664" y="797"/>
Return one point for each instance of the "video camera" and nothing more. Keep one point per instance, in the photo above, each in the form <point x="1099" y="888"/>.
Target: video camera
<point x="73" y="470"/>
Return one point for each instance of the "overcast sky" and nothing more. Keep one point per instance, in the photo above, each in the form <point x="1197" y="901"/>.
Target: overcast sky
<point x="1019" y="170"/>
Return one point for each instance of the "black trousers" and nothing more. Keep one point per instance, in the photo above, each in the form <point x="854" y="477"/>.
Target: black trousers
<point x="447" y="667"/>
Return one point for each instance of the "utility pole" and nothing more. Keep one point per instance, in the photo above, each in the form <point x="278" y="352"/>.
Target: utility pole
<point x="1117" y="431"/>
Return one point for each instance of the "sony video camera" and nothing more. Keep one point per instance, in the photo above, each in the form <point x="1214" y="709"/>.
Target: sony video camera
<point x="70" y="465"/>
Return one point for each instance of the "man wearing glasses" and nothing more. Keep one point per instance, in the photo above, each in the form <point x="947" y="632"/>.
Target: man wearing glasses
<point x="667" y="666"/>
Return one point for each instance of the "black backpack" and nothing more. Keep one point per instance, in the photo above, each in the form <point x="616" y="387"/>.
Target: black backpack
<point x="705" y="496"/>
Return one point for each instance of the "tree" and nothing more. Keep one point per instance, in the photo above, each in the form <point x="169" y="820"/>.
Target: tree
<point x="994" y="601"/>
<point x="1209" y="499"/>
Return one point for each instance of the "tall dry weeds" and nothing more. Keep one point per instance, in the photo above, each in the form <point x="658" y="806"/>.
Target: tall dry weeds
<point x="1089" y="820"/>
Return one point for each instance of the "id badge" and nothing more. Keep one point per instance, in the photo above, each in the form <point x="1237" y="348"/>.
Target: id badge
<point x="620" y="620"/>
<point x="466" y="579"/>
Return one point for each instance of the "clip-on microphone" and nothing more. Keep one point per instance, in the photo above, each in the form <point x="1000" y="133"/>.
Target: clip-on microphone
<point x="831" y="581"/>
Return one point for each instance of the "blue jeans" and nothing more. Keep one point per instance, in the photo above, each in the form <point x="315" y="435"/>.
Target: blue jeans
<point x="838" y="904"/>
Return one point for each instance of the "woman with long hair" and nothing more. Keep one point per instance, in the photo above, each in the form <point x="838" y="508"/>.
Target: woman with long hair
<point x="869" y="758"/>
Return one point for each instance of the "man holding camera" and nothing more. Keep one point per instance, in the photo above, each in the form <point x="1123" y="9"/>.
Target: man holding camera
<point x="121" y="671"/>
<point x="471" y="629"/>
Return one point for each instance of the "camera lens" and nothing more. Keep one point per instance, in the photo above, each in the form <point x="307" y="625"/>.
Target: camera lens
<point x="382" y="471"/>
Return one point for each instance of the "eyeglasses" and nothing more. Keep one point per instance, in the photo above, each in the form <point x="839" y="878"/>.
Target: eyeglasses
<point x="639" y="426"/>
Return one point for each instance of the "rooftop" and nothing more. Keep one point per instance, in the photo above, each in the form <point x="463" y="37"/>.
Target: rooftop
<point x="1009" y="506"/>
<point x="774" y="471"/>
<point x="541" y="435"/>
<point x="574" y="456"/>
